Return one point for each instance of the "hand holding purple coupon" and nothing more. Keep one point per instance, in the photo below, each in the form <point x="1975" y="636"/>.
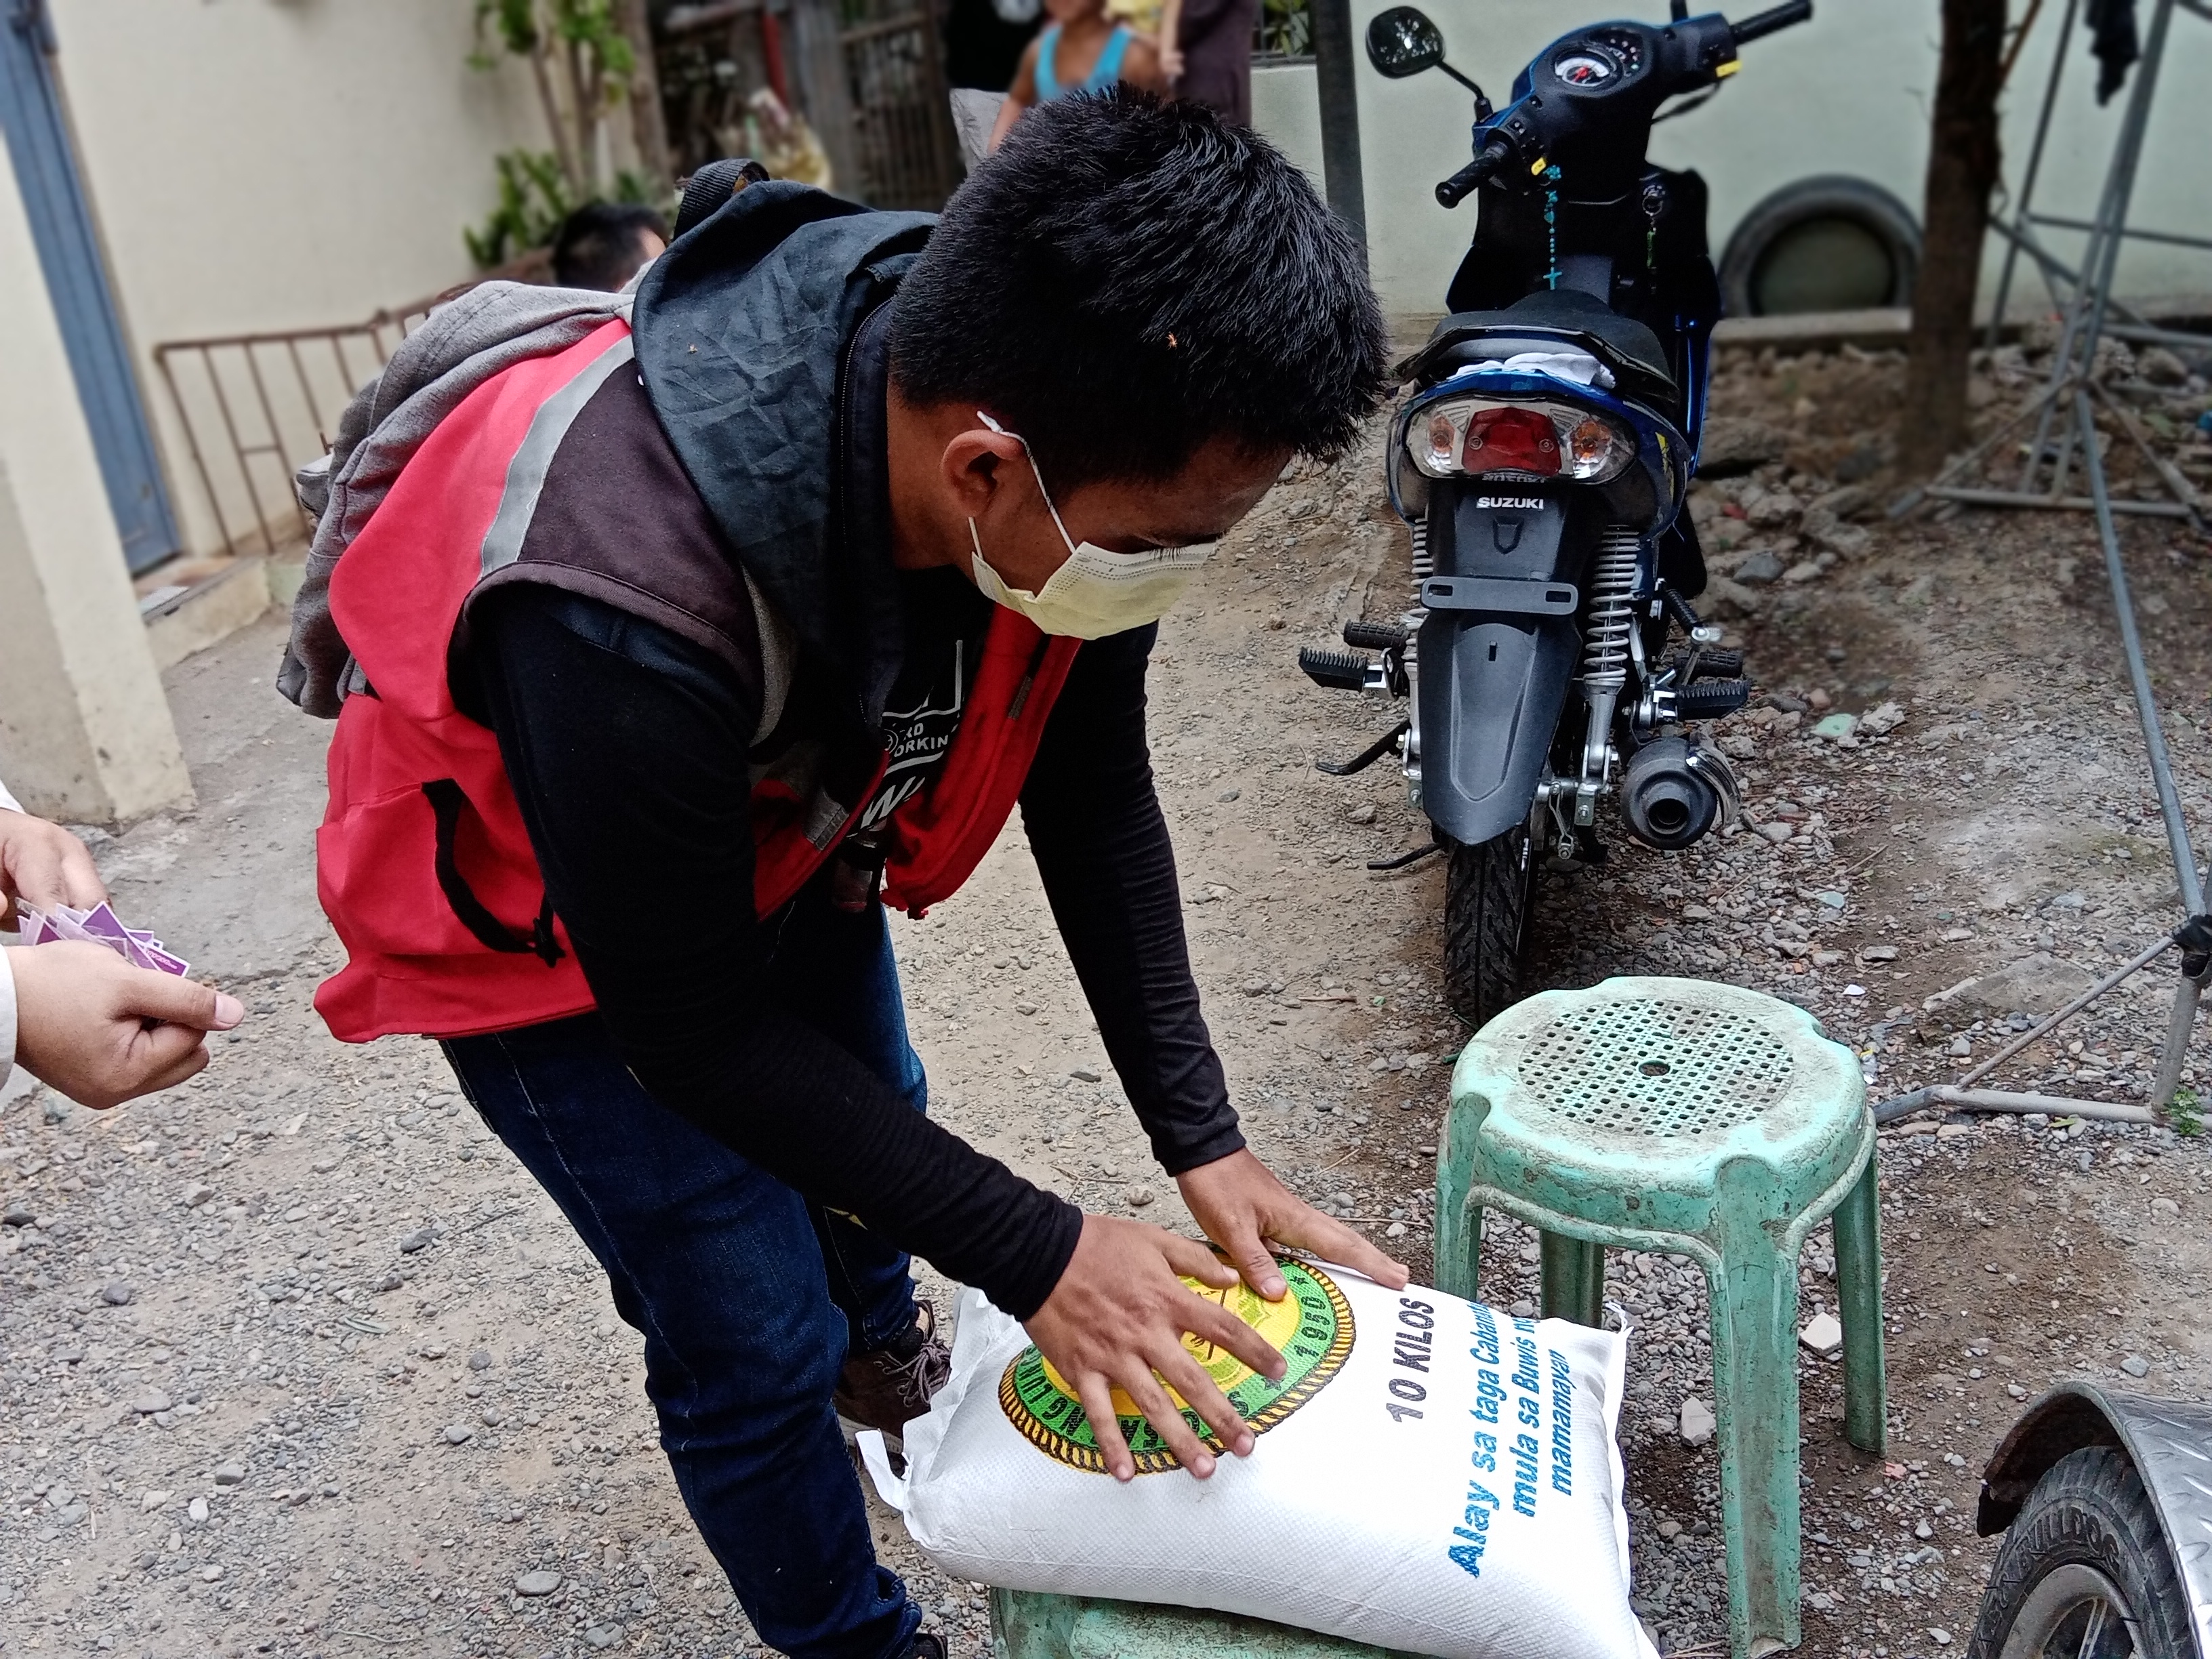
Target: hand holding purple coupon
<point x="99" y="926"/>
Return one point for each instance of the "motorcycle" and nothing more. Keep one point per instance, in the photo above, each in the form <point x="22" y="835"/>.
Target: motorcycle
<point x="1541" y="462"/>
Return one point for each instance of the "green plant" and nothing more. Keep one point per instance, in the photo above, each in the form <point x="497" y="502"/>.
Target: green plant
<point x="584" y="57"/>
<point x="533" y="200"/>
<point x="1283" y="29"/>
<point x="2184" y="1113"/>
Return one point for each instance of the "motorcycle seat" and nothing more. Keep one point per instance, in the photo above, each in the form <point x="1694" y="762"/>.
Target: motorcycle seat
<point x="1540" y="321"/>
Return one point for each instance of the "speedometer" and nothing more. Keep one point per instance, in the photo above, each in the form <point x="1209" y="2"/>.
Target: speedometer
<point x="1584" y="69"/>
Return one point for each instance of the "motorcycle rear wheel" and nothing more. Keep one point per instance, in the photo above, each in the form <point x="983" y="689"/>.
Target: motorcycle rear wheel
<point x="1486" y="892"/>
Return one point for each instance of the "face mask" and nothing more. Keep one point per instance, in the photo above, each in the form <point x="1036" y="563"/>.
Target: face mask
<point x="1095" y="592"/>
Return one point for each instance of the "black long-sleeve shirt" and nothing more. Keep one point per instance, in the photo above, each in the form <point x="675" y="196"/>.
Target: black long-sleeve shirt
<point x="626" y="747"/>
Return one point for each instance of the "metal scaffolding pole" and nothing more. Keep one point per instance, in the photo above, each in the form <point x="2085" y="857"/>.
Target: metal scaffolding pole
<point x="2064" y="412"/>
<point x="2020" y="230"/>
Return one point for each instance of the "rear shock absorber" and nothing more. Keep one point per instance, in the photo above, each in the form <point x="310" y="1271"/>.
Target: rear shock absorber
<point x="1608" y="615"/>
<point x="1424" y="568"/>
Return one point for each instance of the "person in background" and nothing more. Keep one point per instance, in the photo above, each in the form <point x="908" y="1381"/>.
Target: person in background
<point x="1212" y="60"/>
<point x="782" y="142"/>
<point x="603" y="245"/>
<point x="77" y="1017"/>
<point x="1159" y="20"/>
<point x="1081" y="49"/>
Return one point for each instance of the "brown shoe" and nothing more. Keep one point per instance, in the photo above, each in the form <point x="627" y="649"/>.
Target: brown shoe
<point x="888" y="1387"/>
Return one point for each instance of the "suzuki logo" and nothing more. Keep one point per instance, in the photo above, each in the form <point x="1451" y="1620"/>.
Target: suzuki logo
<point x="1532" y="504"/>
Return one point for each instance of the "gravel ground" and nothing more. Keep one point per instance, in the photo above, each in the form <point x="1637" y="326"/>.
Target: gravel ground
<point x="297" y="1362"/>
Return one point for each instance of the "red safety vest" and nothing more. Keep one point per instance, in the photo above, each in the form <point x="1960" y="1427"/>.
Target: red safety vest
<point x="424" y="867"/>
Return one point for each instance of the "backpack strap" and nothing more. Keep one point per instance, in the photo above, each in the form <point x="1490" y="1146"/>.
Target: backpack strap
<point x="779" y="652"/>
<point x="446" y="800"/>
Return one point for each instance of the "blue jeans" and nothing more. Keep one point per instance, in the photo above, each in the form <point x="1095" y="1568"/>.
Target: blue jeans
<point x="747" y="1295"/>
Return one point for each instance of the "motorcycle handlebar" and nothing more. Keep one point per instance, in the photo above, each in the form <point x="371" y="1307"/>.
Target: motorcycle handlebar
<point x="1472" y="177"/>
<point x="1760" y="24"/>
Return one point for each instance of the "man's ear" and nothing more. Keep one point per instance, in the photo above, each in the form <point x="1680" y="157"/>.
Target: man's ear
<point x="972" y="467"/>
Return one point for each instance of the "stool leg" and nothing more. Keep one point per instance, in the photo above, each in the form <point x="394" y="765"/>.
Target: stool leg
<point x="1459" y="1243"/>
<point x="1858" y="1288"/>
<point x="1574" y="1278"/>
<point x="1459" y="1223"/>
<point x="1754" y="1316"/>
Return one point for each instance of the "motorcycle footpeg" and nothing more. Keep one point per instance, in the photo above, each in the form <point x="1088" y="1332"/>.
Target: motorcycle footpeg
<point x="1376" y="636"/>
<point x="1342" y="670"/>
<point x="1708" y="700"/>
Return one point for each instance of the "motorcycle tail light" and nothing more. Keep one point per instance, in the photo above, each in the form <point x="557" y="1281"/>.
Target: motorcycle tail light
<point x="1512" y="441"/>
<point x="1595" y="448"/>
<point x="1533" y="438"/>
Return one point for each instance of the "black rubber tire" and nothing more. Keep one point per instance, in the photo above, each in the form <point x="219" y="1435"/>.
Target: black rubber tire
<point x="1856" y="202"/>
<point x="2089" y="1511"/>
<point x="1487" y="892"/>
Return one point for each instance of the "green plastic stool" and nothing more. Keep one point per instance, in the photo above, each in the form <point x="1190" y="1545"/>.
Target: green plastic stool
<point x="1030" y="1625"/>
<point x="1675" y="1114"/>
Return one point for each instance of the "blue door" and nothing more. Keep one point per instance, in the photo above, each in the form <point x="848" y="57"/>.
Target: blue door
<point x="76" y="277"/>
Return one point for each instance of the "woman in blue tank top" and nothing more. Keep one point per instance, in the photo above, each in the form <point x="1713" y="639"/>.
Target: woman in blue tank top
<point x="1081" y="49"/>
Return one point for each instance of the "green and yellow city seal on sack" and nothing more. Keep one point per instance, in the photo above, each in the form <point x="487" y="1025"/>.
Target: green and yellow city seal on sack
<point x="1311" y="1326"/>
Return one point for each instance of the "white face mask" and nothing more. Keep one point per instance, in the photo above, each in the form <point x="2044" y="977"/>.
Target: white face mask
<point x="1095" y="592"/>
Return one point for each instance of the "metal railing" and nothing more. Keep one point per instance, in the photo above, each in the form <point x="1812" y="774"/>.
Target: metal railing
<point x="902" y="135"/>
<point x="255" y="408"/>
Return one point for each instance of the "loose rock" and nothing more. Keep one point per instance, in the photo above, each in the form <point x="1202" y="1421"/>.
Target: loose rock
<point x="1823" y="1334"/>
<point x="1698" y="1422"/>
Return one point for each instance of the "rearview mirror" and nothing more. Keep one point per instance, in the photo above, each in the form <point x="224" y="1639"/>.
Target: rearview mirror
<point x="1402" y="41"/>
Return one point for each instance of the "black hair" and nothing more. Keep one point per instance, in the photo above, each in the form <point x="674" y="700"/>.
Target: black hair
<point x="1128" y="279"/>
<point x="601" y="244"/>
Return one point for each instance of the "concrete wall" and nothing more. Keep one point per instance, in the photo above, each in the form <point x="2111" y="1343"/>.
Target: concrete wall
<point x="1848" y="92"/>
<point x="85" y="731"/>
<point x="260" y="164"/>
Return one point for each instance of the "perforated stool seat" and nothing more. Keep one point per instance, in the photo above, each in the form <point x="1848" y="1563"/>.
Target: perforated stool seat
<point x="1674" y="1114"/>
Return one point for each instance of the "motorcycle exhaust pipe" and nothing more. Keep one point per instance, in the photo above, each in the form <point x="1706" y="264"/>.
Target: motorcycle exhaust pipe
<point x="1669" y="794"/>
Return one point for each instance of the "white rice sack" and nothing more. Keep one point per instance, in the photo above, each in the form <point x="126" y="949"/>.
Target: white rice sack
<point x="1430" y="1475"/>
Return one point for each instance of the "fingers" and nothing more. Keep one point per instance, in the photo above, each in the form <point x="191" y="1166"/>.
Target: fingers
<point x="1256" y="1261"/>
<point x="162" y="1049"/>
<point x="1332" y="1241"/>
<point x="149" y="1069"/>
<point x="1098" y="1400"/>
<point x="43" y="863"/>
<point x="1160" y="1412"/>
<point x="1191" y="1259"/>
<point x="1210" y="1321"/>
<point x="1190" y="1379"/>
<point x="194" y="1062"/>
<point x="78" y="875"/>
<point x="179" y="1002"/>
<point x="32" y="870"/>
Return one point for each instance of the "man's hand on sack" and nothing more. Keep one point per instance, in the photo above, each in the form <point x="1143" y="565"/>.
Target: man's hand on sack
<point x="1246" y="1210"/>
<point x="100" y="1031"/>
<point x="1116" y="1320"/>
<point x="43" y="863"/>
